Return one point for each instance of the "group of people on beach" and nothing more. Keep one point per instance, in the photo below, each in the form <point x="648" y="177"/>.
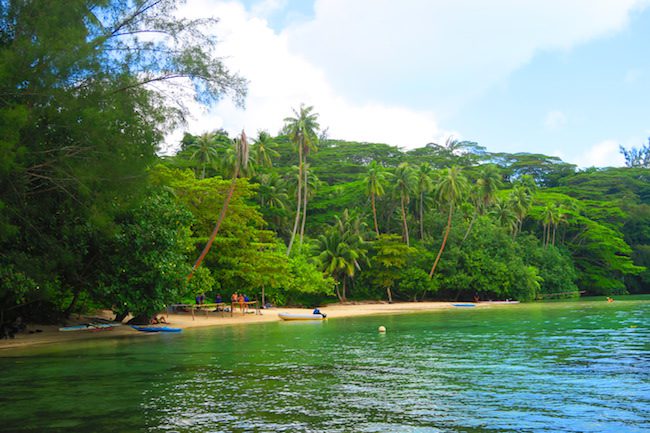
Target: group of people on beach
<point x="236" y="298"/>
<point x="242" y="300"/>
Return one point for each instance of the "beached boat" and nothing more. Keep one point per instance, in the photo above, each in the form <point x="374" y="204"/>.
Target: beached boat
<point x="308" y="316"/>
<point x="464" y="305"/>
<point x="499" y="302"/>
<point x="90" y="327"/>
<point x="155" y="328"/>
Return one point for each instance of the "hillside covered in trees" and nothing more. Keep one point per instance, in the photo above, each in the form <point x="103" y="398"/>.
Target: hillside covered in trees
<point x="92" y="217"/>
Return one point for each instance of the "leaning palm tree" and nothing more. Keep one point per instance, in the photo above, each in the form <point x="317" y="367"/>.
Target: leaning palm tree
<point x="302" y="131"/>
<point x="241" y="165"/>
<point x="375" y="180"/>
<point x="404" y="182"/>
<point x="451" y="189"/>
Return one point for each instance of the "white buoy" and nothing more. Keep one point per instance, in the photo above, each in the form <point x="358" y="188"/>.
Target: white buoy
<point x="382" y="329"/>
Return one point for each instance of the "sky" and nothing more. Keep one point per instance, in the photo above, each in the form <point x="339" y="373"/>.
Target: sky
<point x="568" y="78"/>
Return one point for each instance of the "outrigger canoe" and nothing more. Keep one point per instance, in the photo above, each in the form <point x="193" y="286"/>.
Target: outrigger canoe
<point x="290" y="316"/>
<point x="155" y="328"/>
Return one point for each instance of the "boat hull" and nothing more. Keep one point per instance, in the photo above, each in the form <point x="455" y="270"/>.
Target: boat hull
<point x="156" y="329"/>
<point x="289" y="316"/>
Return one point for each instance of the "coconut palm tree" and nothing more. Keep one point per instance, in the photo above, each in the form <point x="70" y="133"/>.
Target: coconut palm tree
<point x="375" y="180"/>
<point x="404" y="183"/>
<point x="504" y="215"/>
<point x="484" y="193"/>
<point x="241" y="165"/>
<point x="424" y="186"/>
<point x="451" y="189"/>
<point x="302" y="131"/>
<point x="520" y="201"/>
<point x="204" y="150"/>
<point x="264" y="149"/>
<point x="342" y="249"/>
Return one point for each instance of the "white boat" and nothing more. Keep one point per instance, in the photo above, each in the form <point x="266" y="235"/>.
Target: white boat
<point x="307" y="316"/>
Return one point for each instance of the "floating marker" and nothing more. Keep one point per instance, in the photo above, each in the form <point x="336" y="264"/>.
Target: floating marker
<point x="382" y="329"/>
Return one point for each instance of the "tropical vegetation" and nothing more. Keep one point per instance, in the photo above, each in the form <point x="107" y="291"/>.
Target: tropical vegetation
<point x="92" y="216"/>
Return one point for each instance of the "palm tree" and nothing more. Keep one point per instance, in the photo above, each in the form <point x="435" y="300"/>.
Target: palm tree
<point x="375" y="180"/>
<point x="484" y="192"/>
<point x="404" y="181"/>
<point x="204" y="150"/>
<point x="302" y="131"/>
<point x="520" y="202"/>
<point x="310" y="185"/>
<point x="272" y="191"/>
<point x="451" y="188"/>
<point x="264" y="149"/>
<point x="548" y="217"/>
<point x="342" y="248"/>
<point x="424" y="186"/>
<point x="505" y="216"/>
<point x="241" y="164"/>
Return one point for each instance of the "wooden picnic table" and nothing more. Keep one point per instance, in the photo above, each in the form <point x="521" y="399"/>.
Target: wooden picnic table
<point x="220" y="307"/>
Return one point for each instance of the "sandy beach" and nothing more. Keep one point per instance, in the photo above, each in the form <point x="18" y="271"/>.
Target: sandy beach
<point x="50" y="334"/>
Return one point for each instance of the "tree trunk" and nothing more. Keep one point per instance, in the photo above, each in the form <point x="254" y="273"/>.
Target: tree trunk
<point x="554" y="229"/>
<point x="299" y="200"/>
<point x="344" y="296"/>
<point x="263" y="299"/>
<point x="405" y="229"/>
<point x="469" y="228"/>
<point x="421" y="216"/>
<point x="304" y="203"/>
<point x="73" y="303"/>
<point x="374" y="212"/>
<point x="222" y="215"/>
<point x="390" y="295"/>
<point x="444" y="240"/>
<point x="338" y="293"/>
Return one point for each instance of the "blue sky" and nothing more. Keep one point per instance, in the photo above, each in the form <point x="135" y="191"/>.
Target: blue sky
<point x="567" y="78"/>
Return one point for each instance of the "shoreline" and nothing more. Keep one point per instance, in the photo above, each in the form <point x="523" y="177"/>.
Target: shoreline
<point x="50" y="334"/>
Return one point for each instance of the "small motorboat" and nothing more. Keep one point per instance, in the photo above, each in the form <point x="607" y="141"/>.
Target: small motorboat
<point x="306" y="316"/>
<point x="155" y="329"/>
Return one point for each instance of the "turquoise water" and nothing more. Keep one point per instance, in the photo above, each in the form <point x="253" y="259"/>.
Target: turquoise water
<point x="552" y="367"/>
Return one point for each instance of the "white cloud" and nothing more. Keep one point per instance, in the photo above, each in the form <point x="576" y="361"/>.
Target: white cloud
<point x="280" y="80"/>
<point x="603" y="154"/>
<point x="555" y="120"/>
<point x="441" y="53"/>
<point x="382" y="71"/>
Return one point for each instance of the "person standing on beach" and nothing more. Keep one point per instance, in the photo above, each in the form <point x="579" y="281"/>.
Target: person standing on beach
<point x="242" y="303"/>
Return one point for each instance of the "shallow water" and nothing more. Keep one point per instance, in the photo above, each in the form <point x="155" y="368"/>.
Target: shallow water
<point x="551" y="367"/>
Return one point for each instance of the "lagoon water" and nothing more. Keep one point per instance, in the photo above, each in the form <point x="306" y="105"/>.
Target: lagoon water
<point x="581" y="366"/>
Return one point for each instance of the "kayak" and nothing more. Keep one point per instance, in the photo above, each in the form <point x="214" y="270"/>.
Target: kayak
<point x="290" y="316"/>
<point x="464" y="305"/>
<point x="90" y="327"/>
<point x="155" y="328"/>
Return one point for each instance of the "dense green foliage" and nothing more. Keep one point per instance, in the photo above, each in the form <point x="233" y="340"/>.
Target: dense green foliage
<point x="90" y="216"/>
